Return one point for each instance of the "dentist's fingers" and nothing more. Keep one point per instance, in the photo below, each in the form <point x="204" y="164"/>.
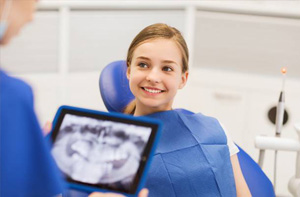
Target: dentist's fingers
<point x="47" y="128"/>
<point x="144" y="193"/>
<point x="99" y="194"/>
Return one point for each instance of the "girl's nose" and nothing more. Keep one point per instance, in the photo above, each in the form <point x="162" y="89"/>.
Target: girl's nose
<point x="154" y="76"/>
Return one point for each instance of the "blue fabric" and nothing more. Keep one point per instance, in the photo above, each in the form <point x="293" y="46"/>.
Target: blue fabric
<point x="192" y="158"/>
<point x="27" y="168"/>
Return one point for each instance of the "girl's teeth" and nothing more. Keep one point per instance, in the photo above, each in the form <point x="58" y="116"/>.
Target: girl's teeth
<point x="152" y="91"/>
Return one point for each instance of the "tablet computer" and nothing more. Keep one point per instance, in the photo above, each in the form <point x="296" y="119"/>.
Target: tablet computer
<point x="101" y="151"/>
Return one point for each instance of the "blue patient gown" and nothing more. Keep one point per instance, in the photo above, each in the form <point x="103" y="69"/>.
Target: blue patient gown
<point x="192" y="158"/>
<point x="27" y="168"/>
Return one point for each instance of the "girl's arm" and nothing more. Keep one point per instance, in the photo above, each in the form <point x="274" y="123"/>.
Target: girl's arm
<point x="242" y="189"/>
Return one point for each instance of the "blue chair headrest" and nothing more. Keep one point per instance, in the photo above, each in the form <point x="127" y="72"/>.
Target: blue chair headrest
<point x="114" y="86"/>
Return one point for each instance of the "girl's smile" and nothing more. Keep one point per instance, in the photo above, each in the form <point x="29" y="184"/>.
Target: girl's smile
<point x="152" y="91"/>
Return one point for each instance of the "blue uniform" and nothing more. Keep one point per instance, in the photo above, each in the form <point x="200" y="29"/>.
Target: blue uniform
<point x="27" y="168"/>
<point x="192" y="158"/>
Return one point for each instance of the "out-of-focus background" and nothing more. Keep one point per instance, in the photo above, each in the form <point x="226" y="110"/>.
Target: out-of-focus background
<point x="237" y="50"/>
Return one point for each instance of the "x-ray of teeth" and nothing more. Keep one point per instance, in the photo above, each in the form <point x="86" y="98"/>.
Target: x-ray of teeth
<point x="98" y="151"/>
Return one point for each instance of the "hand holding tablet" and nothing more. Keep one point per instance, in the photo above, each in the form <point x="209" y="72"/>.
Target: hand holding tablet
<point x="100" y="151"/>
<point x="143" y="193"/>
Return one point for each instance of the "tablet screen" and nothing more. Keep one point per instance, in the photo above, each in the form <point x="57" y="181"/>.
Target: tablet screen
<point x="101" y="151"/>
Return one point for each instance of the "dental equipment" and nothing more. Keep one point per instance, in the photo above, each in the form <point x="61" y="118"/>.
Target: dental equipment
<point x="284" y="144"/>
<point x="279" y="120"/>
<point x="280" y="106"/>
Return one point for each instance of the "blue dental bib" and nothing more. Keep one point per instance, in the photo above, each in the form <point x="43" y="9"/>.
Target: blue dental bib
<point x="192" y="158"/>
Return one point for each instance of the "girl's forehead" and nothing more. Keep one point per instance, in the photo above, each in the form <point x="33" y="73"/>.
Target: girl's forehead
<point x="159" y="48"/>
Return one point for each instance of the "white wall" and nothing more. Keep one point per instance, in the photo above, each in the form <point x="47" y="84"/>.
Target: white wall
<point x="237" y="50"/>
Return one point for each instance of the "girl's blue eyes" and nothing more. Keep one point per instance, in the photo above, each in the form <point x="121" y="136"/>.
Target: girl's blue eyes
<point x="165" y="68"/>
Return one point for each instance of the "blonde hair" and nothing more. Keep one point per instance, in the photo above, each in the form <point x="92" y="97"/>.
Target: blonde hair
<point x="151" y="32"/>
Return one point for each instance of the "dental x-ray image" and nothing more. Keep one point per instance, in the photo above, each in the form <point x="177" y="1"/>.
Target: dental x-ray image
<point x="97" y="151"/>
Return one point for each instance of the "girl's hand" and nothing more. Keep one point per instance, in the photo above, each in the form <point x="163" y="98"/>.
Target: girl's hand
<point x="143" y="193"/>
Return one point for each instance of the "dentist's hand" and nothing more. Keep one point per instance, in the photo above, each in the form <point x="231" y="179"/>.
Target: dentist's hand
<point x="143" y="193"/>
<point x="47" y="128"/>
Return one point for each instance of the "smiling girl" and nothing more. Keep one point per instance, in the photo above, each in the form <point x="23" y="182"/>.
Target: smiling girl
<point x="194" y="157"/>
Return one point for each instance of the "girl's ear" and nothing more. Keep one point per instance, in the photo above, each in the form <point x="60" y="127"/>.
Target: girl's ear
<point x="128" y="72"/>
<point x="184" y="78"/>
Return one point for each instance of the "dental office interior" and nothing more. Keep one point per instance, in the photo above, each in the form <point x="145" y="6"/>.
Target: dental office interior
<point x="238" y="53"/>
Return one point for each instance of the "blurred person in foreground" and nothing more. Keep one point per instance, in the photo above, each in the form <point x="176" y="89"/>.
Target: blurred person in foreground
<point x="27" y="168"/>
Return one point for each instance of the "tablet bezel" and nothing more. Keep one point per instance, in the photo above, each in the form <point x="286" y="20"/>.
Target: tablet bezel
<point x="146" y="158"/>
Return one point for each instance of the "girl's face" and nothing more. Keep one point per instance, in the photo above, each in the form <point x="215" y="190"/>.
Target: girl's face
<point x="155" y="75"/>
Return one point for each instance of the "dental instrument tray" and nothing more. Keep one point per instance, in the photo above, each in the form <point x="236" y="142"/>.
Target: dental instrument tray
<point x="101" y="151"/>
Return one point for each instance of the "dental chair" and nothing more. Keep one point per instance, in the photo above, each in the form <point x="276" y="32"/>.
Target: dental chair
<point x="115" y="93"/>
